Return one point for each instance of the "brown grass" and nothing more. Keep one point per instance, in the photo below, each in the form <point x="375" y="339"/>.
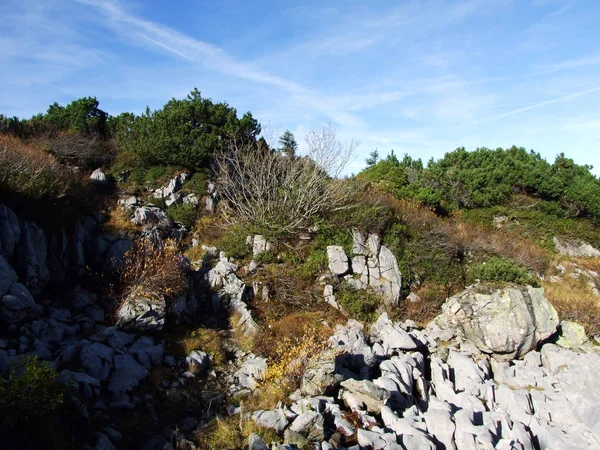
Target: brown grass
<point x="28" y="174"/>
<point x="119" y="222"/>
<point x="480" y="238"/>
<point x="574" y="300"/>
<point x="432" y="296"/>
<point x="232" y="433"/>
<point x="205" y="339"/>
<point x="209" y="229"/>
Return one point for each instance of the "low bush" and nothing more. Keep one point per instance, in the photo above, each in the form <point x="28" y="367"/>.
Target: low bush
<point x="360" y="304"/>
<point x="33" y="410"/>
<point x="501" y="269"/>
<point x="197" y="183"/>
<point x="184" y="213"/>
<point x="233" y="242"/>
<point x="37" y="183"/>
<point x="267" y="257"/>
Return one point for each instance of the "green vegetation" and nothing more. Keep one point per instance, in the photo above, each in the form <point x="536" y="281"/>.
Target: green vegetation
<point x="184" y="132"/>
<point x="501" y="269"/>
<point x="360" y="304"/>
<point x="485" y="178"/>
<point x="33" y="407"/>
<point x="184" y="213"/>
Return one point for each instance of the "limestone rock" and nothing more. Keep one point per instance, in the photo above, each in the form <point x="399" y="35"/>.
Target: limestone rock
<point x="142" y="312"/>
<point x="507" y="322"/>
<point x="338" y="261"/>
<point x="98" y="178"/>
<point x="572" y="335"/>
<point x="7" y="276"/>
<point x="576" y="249"/>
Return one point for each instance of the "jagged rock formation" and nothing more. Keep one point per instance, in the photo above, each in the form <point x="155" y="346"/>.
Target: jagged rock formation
<point x="429" y="389"/>
<point x="372" y="266"/>
<point x="576" y="249"/>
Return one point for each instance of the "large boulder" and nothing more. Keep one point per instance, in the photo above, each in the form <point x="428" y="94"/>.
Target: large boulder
<point x="17" y="305"/>
<point x="151" y="215"/>
<point x="506" y="322"/>
<point x="142" y="312"/>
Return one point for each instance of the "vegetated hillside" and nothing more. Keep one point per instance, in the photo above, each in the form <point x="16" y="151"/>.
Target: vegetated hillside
<point x="193" y="178"/>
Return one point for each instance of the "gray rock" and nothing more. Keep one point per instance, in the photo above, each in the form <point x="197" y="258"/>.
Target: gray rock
<point x="372" y="396"/>
<point x="17" y="305"/>
<point x="97" y="360"/>
<point x="129" y="202"/>
<point x="115" y="255"/>
<point x="320" y="376"/>
<point x="198" y="361"/>
<point x="338" y="261"/>
<point x="151" y="215"/>
<point x="572" y="335"/>
<point x="260" y="245"/>
<point x="441" y="427"/>
<point x="10" y="232"/>
<point x="310" y="425"/>
<point x="391" y="335"/>
<point x="576" y="249"/>
<point x="31" y="253"/>
<point x="98" y="177"/>
<point x="103" y="443"/>
<point x="127" y="374"/>
<point x="7" y="276"/>
<point x="256" y="443"/>
<point x="85" y="384"/>
<point x="275" y="420"/>
<point x="508" y="322"/>
<point x="251" y="371"/>
<point x="138" y="312"/>
<point x="390" y="280"/>
<point x="191" y="199"/>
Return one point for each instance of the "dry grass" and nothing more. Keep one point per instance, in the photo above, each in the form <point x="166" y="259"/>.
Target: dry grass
<point x="205" y="339"/>
<point x="480" y="238"/>
<point x="119" y="222"/>
<point x="209" y="229"/>
<point x="195" y="253"/>
<point x="431" y="298"/>
<point x="37" y="183"/>
<point x="574" y="300"/>
<point x="232" y="433"/>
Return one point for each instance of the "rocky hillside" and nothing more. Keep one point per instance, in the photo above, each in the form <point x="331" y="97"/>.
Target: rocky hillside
<point x="243" y="298"/>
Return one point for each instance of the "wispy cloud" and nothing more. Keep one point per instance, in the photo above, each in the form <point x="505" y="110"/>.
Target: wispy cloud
<point x="536" y="105"/>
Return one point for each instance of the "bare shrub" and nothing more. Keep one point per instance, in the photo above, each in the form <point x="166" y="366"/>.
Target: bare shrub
<point x="89" y="151"/>
<point x="152" y="271"/>
<point x="283" y="193"/>
<point x="29" y="171"/>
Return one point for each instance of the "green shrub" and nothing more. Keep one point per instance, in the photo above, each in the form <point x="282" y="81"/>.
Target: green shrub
<point x="233" y="242"/>
<point x="197" y="183"/>
<point x="315" y="264"/>
<point x="184" y="213"/>
<point x="185" y="132"/>
<point x="267" y="257"/>
<point x="32" y="407"/>
<point x="359" y="304"/>
<point x="501" y="269"/>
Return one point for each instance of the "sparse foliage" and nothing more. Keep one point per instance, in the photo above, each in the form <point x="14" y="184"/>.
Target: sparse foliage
<point x="277" y="193"/>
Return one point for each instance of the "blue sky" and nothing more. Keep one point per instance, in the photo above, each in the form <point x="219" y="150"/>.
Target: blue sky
<point x="420" y="77"/>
